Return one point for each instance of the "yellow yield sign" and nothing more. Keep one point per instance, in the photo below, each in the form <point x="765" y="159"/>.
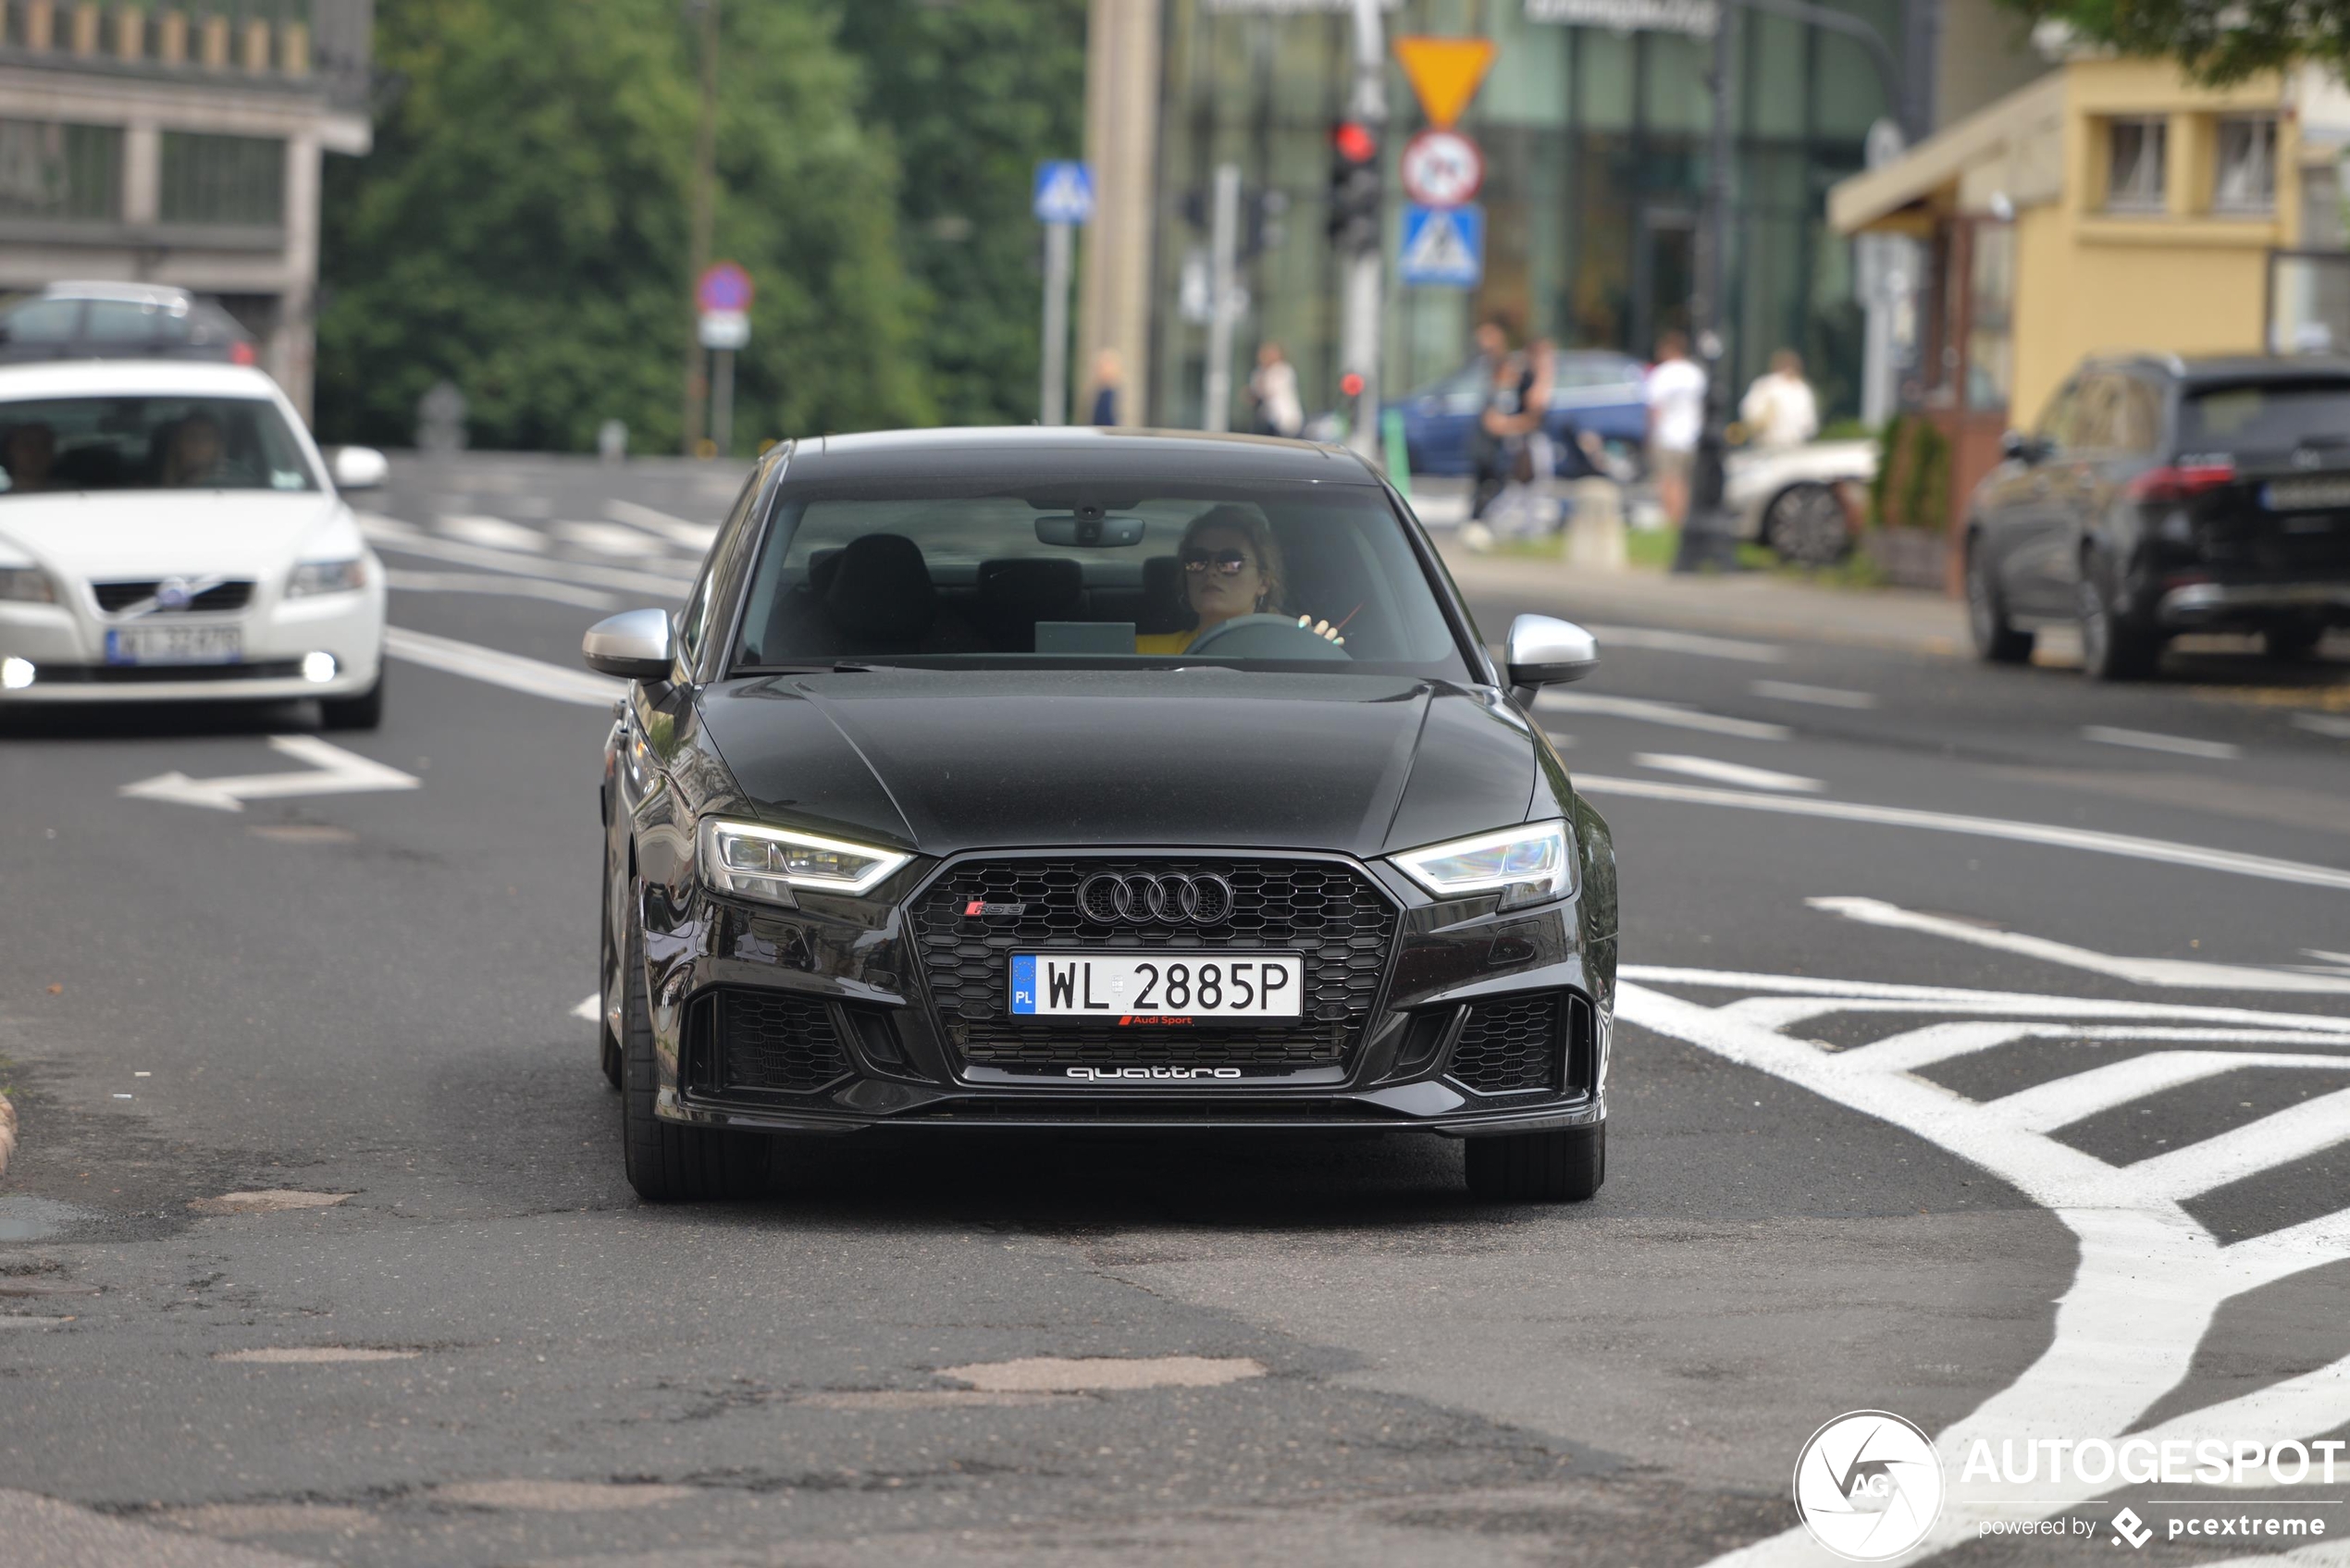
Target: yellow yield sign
<point x="1446" y="72"/>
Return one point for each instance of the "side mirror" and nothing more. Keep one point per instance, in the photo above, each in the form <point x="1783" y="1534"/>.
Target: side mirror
<point x="361" y="468"/>
<point x="2016" y="447"/>
<point x="1544" y="652"/>
<point x="633" y="645"/>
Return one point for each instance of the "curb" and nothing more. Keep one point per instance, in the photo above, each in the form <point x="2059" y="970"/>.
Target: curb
<point x="8" y="1132"/>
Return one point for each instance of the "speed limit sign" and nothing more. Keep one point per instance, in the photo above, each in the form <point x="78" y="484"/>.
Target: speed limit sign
<point x="1442" y="169"/>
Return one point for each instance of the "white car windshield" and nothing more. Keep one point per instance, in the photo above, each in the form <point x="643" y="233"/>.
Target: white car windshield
<point x="148" y="443"/>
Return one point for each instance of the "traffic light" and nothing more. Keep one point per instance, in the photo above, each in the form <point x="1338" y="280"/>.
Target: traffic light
<point x="1355" y="188"/>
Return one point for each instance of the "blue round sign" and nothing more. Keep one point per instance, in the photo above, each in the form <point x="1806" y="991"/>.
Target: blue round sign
<point x="725" y="287"/>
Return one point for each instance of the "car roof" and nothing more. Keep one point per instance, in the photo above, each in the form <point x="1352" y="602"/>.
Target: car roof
<point x="130" y="293"/>
<point x="134" y="377"/>
<point x="1079" y="452"/>
<point x="2214" y="368"/>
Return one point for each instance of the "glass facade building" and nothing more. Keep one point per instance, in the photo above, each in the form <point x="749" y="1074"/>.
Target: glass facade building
<point x="1595" y="144"/>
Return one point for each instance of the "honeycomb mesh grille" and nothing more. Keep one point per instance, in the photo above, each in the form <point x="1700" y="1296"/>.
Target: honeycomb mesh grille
<point x="1510" y="1048"/>
<point x="1330" y="915"/>
<point x="766" y="1042"/>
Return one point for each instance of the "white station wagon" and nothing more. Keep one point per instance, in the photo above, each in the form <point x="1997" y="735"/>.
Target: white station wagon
<point x="168" y="531"/>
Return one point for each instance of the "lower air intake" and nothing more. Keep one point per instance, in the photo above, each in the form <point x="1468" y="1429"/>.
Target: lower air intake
<point x="1525" y="1044"/>
<point x="742" y="1040"/>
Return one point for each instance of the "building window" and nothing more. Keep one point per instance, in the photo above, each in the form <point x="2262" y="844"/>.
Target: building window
<point x="2137" y="153"/>
<point x="2245" y="179"/>
<point x="60" y="172"/>
<point x="223" y="179"/>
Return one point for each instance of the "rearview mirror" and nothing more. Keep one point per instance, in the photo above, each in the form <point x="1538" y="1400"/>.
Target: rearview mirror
<point x="633" y="645"/>
<point x="1546" y="653"/>
<point x="361" y="468"/>
<point x="1090" y="529"/>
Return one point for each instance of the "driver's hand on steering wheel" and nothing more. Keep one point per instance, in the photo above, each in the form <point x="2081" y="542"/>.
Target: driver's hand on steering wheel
<point x="1320" y="629"/>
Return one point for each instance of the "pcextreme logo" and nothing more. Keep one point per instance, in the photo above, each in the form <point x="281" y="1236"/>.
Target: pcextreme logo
<point x="1868" y="1486"/>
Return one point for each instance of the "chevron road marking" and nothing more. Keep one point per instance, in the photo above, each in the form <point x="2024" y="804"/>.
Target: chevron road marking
<point x="333" y="771"/>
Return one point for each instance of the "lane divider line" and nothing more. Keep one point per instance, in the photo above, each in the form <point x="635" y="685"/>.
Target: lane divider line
<point x="1818" y="697"/>
<point x="499" y="582"/>
<point x="2127" y="846"/>
<point x="1676" y="715"/>
<point x="1727" y="773"/>
<point x="2149" y="740"/>
<point x="502" y="669"/>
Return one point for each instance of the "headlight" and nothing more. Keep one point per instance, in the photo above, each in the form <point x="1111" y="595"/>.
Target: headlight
<point x="326" y="577"/>
<point x="752" y="861"/>
<point x="27" y="582"/>
<point x="1526" y="865"/>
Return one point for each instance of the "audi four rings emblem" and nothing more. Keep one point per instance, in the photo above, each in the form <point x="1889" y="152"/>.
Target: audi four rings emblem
<point x="1170" y="899"/>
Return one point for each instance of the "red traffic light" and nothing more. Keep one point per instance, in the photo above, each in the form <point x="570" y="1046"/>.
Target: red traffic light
<point x="1355" y="142"/>
<point x="1350" y="384"/>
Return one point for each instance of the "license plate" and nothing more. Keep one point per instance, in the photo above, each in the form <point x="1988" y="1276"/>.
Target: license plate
<point x="1174" y="987"/>
<point x="2307" y="495"/>
<point x="174" y="645"/>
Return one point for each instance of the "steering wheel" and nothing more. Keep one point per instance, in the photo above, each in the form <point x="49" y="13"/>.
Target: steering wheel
<point x="1266" y="636"/>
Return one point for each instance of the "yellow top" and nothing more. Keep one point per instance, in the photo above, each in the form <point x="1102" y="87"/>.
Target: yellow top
<point x="1163" y="642"/>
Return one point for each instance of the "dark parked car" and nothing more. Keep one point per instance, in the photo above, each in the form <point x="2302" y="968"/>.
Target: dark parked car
<point x="119" y="321"/>
<point x="2159" y="496"/>
<point x="1594" y="390"/>
<point x="1020" y="779"/>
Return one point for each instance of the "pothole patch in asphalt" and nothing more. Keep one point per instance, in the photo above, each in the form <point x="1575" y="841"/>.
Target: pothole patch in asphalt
<point x="925" y="1399"/>
<point x="233" y="1520"/>
<point x="1085" y="1374"/>
<point x="269" y="1200"/>
<point x="304" y="1354"/>
<point x="26" y="1320"/>
<point x="560" y="1497"/>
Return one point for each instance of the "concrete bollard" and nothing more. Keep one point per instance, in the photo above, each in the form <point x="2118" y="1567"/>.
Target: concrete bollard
<point x="1595" y="531"/>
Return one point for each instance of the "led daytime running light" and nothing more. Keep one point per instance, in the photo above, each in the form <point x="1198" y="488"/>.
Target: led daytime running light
<point x="756" y="861"/>
<point x="1526" y="865"/>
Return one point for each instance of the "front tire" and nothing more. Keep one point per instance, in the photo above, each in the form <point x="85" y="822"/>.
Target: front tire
<point x="2112" y="649"/>
<point x="666" y="1162"/>
<point x="365" y="712"/>
<point x="1564" y="1166"/>
<point x="1995" y="641"/>
<point x="1805" y="523"/>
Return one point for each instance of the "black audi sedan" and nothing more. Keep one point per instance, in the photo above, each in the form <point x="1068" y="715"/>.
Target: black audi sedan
<point x="2159" y="496"/>
<point x="1057" y="779"/>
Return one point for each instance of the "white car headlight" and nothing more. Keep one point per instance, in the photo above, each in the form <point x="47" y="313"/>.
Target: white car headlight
<point x="28" y="583"/>
<point x="326" y="577"/>
<point x="1531" y="864"/>
<point x="754" y="862"/>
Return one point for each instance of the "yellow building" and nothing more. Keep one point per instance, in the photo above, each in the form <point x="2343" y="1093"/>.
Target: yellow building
<point x="2112" y="205"/>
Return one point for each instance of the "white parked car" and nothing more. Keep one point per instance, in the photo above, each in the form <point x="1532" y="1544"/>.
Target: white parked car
<point x="1802" y="501"/>
<point x="168" y="531"/>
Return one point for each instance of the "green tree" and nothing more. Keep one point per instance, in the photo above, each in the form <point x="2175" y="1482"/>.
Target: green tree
<point x="521" y="227"/>
<point x="973" y="96"/>
<point x="2217" y="40"/>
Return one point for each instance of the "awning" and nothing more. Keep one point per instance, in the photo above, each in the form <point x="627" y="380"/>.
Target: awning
<point x="1935" y="166"/>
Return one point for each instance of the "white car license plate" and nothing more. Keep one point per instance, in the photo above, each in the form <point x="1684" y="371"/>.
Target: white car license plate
<point x="2329" y="494"/>
<point x="1170" y="985"/>
<point x="174" y="645"/>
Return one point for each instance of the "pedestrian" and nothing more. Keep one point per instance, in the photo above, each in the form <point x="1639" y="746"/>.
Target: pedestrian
<point x="1485" y="455"/>
<point x="1676" y="418"/>
<point x="1779" y="410"/>
<point x="1523" y="509"/>
<point x="1273" y="388"/>
<point x="1109" y="376"/>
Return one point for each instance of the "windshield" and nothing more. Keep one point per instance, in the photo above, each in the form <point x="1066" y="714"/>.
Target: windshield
<point x="1312" y="577"/>
<point x="148" y="443"/>
<point x="2272" y="418"/>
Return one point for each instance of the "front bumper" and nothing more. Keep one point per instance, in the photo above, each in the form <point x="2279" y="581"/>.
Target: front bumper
<point x="66" y="644"/>
<point x="2232" y="603"/>
<point x="837" y="999"/>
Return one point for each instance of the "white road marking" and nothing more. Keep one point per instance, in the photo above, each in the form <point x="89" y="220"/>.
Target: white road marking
<point x="2184" y="973"/>
<point x="1686" y="642"/>
<point x="590" y="1009"/>
<point x="1726" y="773"/>
<point x="2150" y="1278"/>
<point x="1819" y="696"/>
<point x="405" y="538"/>
<point x="502" y="669"/>
<point x="609" y="539"/>
<point x="696" y="536"/>
<point x="2047" y="1106"/>
<point x="2323" y="724"/>
<point x="500" y="583"/>
<point x="309" y="1355"/>
<point x="494" y="533"/>
<point x="2124" y="844"/>
<point x="333" y="771"/>
<point x="1678" y="715"/>
<point x="2147" y="740"/>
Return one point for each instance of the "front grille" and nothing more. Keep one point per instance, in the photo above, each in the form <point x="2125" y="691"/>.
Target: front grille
<point x="1331" y="915"/>
<point x="115" y="597"/>
<point x="740" y="1040"/>
<point x="1512" y="1046"/>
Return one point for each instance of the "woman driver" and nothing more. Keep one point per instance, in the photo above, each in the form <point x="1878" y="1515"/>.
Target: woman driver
<point x="1231" y="567"/>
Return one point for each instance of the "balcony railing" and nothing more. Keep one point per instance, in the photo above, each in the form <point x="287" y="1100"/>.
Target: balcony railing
<point x="321" y="45"/>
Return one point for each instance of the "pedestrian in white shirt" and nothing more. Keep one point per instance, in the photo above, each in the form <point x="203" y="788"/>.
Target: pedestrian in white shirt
<point x="1677" y="417"/>
<point x="1780" y="409"/>
<point x="1273" y="388"/>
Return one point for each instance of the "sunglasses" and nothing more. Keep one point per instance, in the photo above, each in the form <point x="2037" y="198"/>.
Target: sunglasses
<point x="1227" y="562"/>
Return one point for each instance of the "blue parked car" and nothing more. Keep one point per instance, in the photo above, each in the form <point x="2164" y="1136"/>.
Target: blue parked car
<point x="1595" y="389"/>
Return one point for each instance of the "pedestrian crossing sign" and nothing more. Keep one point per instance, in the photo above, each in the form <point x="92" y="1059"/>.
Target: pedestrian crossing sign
<point x="1064" y="192"/>
<point x="1444" y="246"/>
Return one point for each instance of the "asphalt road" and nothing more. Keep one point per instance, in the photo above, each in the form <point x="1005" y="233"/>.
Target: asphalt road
<point x="1985" y="1057"/>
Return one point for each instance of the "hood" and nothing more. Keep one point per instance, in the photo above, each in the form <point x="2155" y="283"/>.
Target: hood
<point x="128" y="533"/>
<point x="945" y="762"/>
